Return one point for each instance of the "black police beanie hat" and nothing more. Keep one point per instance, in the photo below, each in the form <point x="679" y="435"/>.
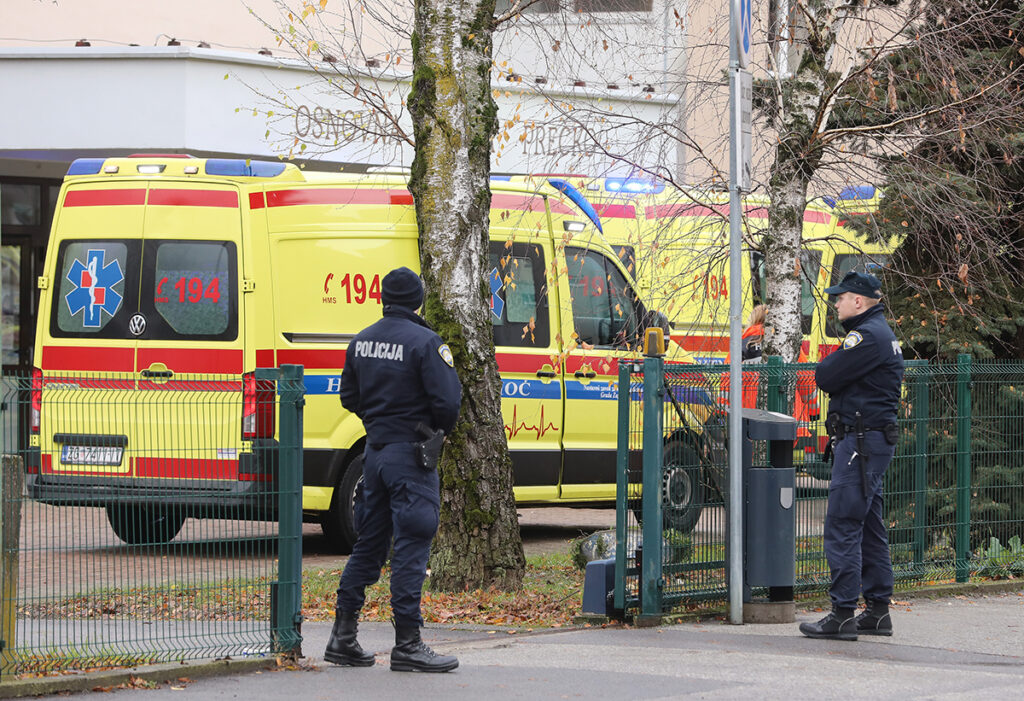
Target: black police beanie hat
<point x="402" y="287"/>
<point x="864" y="284"/>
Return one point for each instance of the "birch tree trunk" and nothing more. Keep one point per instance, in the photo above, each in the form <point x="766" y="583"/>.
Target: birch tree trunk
<point x="454" y="118"/>
<point x="805" y="88"/>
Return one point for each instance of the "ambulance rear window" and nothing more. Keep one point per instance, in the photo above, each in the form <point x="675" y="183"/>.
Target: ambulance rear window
<point x="95" y="276"/>
<point x="192" y="288"/>
<point x="519" y="301"/>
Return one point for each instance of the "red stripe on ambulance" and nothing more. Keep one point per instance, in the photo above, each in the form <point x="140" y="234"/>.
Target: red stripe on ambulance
<point x="193" y="198"/>
<point x="615" y="211"/>
<point x="256" y="200"/>
<point x="334" y="195"/>
<point x="703" y="344"/>
<point x="667" y="211"/>
<point x="88" y="359"/>
<point x="312" y="359"/>
<point x="104" y="198"/>
<point x="817" y="217"/>
<point x="227" y="361"/>
<point x="187" y="468"/>
<point x="598" y="364"/>
<point x="527" y="203"/>
<point x="515" y="362"/>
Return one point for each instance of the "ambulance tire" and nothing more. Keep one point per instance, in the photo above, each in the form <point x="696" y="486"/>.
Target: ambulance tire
<point x="682" y="487"/>
<point x="145" y="524"/>
<point x="338" y="524"/>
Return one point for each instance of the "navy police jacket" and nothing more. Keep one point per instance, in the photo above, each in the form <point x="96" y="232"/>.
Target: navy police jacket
<point x="397" y="374"/>
<point x="865" y="373"/>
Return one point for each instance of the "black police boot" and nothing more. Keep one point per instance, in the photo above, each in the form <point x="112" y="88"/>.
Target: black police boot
<point x="343" y="648"/>
<point x="875" y="620"/>
<point x="839" y="624"/>
<point x="410" y="654"/>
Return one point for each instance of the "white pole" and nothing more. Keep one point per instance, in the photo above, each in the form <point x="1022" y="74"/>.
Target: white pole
<point x="735" y="527"/>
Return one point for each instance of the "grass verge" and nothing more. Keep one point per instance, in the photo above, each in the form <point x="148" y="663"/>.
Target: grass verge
<point x="552" y="594"/>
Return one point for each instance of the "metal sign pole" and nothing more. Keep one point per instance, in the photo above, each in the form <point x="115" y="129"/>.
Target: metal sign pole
<point x="739" y="56"/>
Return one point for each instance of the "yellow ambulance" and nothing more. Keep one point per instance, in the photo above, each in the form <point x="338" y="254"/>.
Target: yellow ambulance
<point x="676" y="245"/>
<point x="169" y="281"/>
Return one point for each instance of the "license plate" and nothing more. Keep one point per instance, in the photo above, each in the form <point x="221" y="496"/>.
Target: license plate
<point x="90" y="455"/>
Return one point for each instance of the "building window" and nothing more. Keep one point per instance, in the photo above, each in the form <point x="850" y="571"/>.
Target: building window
<point x="19" y="204"/>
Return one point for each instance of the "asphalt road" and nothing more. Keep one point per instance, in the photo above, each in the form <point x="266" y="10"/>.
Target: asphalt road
<point x="57" y="543"/>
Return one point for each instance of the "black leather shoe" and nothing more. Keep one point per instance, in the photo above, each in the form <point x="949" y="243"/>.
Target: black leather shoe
<point x="839" y="624"/>
<point x="343" y="648"/>
<point x="875" y="620"/>
<point x="410" y="654"/>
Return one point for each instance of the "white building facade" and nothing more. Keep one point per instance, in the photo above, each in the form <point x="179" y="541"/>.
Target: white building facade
<point x="575" y="82"/>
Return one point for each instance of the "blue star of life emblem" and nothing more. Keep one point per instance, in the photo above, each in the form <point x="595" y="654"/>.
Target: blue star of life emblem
<point x="497" y="303"/>
<point x="94" y="288"/>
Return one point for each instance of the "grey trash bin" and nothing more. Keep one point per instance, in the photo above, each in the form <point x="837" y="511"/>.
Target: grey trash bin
<point x="770" y="508"/>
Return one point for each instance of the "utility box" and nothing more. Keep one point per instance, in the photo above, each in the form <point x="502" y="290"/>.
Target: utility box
<point x="598" y="584"/>
<point x="769" y="543"/>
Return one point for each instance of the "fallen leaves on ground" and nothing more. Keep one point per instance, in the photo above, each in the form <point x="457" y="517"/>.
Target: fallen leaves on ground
<point x="551" y="596"/>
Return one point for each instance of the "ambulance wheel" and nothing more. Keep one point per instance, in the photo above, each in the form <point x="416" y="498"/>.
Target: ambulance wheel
<point x="338" y="524"/>
<point x="145" y="524"/>
<point x="682" y="488"/>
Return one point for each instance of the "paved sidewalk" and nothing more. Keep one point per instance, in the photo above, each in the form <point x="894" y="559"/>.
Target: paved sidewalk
<point x="959" y="647"/>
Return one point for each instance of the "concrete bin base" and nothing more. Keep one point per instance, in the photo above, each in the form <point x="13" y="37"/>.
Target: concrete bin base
<point x="769" y="612"/>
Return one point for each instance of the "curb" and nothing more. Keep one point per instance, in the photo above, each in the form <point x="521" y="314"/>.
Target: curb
<point x="934" y="591"/>
<point x="87" y="681"/>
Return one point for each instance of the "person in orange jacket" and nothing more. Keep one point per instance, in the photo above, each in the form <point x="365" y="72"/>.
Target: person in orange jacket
<point x="750" y="352"/>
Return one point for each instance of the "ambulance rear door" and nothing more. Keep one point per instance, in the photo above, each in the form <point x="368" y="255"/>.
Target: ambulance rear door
<point x="524" y="318"/>
<point x="601" y="317"/>
<point x="86" y="351"/>
<point x="190" y="338"/>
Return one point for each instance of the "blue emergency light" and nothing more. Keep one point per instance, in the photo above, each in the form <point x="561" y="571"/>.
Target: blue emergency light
<point x="239" y="168"/>
<point x="633" y="185"/>
<point x="577" y="199"/>
<point x="86" y="166"/>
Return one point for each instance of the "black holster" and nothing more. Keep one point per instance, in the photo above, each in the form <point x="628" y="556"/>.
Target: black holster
<point x="428" y="451"/>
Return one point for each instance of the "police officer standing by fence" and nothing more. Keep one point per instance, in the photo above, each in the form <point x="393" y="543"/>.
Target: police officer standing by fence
<point x="400" y="379"/>
<point x="863" y="379"/>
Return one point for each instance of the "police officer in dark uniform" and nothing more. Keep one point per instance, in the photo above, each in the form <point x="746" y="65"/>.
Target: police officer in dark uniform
<point x="863" y="379"/>
<point x="400" y="379"/>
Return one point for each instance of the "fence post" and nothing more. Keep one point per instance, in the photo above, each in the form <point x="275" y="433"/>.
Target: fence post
<point x="12" y="478"/>
<point x="287" y="621"/>
<point x="922" y="410"/>
<point x="622" y="488"/>
<point x="653" y="454"/>
<point x="963" y="466"/>
<point x="776" y="399"/>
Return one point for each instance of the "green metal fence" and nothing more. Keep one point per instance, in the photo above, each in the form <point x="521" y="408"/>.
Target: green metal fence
<point x="954" y="492"/>
<point x="150" y="520"/>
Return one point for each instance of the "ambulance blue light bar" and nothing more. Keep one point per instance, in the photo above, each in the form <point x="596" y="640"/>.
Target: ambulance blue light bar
<point x="855" y="192"/>
<point x="858" y="192"/>
<point x="633" y="185"/>
<point x="239" y="168"/>
<point x="577" y="199"/>
<point x="86" y="166"/>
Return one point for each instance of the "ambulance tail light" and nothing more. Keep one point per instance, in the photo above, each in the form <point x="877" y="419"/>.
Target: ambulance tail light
<point x="257" y="407"/>
<point x="37" y="398"/>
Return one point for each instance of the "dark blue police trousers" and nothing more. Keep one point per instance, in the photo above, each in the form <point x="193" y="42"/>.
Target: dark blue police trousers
<point x="400" y="499"/>
<point x="856" y="544"/>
